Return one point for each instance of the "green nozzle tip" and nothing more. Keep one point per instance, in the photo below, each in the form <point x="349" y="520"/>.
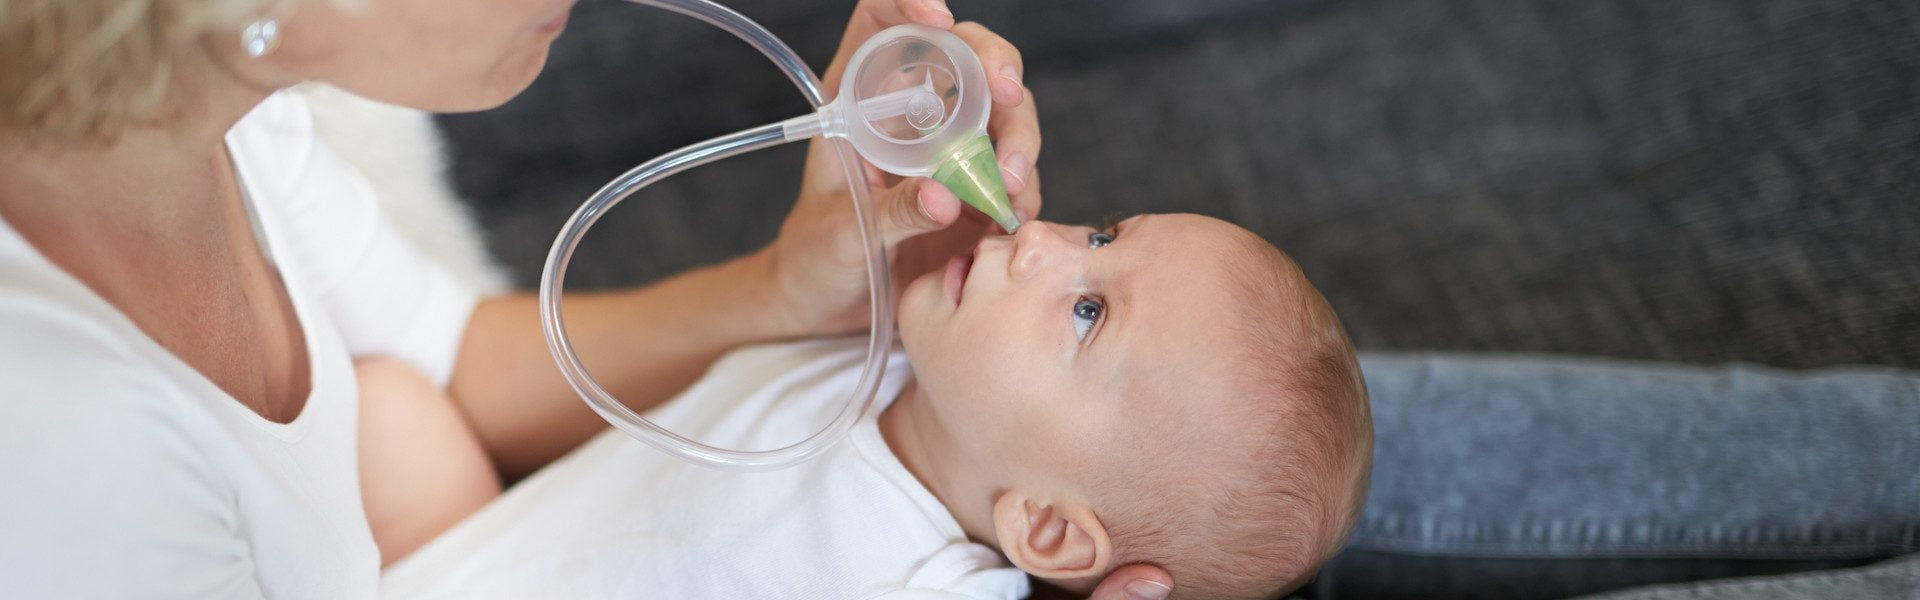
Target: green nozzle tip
<point x="972" y="173"/>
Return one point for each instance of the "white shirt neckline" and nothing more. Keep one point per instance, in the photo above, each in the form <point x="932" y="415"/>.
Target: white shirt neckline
<point x="148" y="348"/>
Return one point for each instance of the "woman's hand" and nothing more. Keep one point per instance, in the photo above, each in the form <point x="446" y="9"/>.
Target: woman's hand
<point x="1135" y="581"/>
<point x="1138" y="581"/>
<point x="818" y="262"/>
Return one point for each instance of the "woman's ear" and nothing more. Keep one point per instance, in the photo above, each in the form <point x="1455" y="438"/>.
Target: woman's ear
<point x="1052" y="538"/>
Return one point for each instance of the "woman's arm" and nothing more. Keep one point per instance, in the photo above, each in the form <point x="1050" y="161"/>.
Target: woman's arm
<point x="644" y="345"/>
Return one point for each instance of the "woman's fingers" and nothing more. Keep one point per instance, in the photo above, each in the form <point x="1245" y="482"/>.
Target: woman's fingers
<point x="871" y="16"/>
<point x="1137" y="581"/>
<point x="918" y="205"/>
<point x="1026" y="203"/>
<point x="1001" y="60"/>
<point x="1013" y="123"/>
<point x="932" y="13"/>
<point x="1016" y="142"/>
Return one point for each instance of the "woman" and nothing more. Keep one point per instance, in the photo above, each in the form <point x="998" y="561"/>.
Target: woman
<point x="186" y="277"/>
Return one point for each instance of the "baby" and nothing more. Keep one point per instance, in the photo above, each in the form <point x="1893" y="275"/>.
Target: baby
<point x="1171" y="390"/>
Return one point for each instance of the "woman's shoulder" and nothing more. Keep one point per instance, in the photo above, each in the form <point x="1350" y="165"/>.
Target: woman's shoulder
<point x="103" y="473"/>
<point x="54" y="326"/>
<point x="83" y="408"/>
<point x="78" y="406"/>
<point x="72" y="370"/>
<point x="69" y="362"/>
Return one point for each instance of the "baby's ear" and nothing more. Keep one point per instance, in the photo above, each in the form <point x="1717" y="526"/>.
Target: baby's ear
<point x="1052" y="538"/>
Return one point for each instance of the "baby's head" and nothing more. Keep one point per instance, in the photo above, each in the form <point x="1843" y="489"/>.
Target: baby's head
<point x="1169" y="391"/>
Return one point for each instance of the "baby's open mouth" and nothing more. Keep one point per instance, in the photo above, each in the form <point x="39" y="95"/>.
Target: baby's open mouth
<point x="958" y="268"/>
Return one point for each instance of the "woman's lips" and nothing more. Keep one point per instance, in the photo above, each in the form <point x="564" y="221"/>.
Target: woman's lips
<point x="958" y="268"/>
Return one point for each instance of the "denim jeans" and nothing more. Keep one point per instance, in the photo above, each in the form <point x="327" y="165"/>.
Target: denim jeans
<point x="1542" y="477"/>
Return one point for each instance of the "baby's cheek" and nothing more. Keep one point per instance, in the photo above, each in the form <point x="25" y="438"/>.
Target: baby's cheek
<point x="978" y="390"/>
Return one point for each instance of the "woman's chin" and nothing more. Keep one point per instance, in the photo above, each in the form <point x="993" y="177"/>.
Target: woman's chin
<point x="520" y="77"/>
<point x="502" y="86"/>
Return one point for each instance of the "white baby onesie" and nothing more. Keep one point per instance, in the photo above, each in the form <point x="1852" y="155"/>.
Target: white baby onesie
<point x="618" y="519"/>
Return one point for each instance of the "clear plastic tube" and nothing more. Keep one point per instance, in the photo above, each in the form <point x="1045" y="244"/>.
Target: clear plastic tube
<point x="553" y="277"/>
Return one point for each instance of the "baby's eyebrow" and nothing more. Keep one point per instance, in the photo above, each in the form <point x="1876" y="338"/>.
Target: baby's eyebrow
<point x="1112" y="220"/>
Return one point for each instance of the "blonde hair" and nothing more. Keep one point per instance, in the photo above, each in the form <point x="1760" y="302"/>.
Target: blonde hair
<point x="86" y="70"/>
<point x="1262" y="525"/>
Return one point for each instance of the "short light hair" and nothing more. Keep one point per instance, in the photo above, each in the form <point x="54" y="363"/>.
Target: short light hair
<point x="1284" y="500"/>
<point x="86" y="70"/>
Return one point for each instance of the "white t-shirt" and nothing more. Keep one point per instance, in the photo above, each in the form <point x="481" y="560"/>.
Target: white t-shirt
<point x="618" y="519"/>
<point x="124" y="473"/>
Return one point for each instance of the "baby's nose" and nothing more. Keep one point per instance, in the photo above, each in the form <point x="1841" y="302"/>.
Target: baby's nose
<point x="1039" y="246"/>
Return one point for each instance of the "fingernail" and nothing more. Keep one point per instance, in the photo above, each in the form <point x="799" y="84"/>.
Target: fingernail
<point x="1014" y="168"/>
<point x="1011" y="73"/>
<point x="920" y="202"/>
<point x="940" y="6"/>
<point x="1006" y="88"/>
<point x="1147" y="589"/>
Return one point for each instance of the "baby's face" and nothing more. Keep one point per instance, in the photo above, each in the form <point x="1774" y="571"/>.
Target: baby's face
<point x="1060" y="348"/>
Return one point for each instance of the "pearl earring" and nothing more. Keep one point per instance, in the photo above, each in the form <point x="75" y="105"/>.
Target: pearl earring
<point x="260" y="37"/>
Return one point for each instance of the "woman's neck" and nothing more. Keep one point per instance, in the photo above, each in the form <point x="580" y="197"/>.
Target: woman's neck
<point x="153" y="223"/>
<point x="153" y="201"/>
<point x="145" y="172"/>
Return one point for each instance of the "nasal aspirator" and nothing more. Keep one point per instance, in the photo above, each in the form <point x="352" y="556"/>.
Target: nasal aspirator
<point x="914" y="102"/>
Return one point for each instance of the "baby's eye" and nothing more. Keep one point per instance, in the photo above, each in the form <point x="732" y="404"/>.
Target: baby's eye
<point x="1086" y="312"/>
<point x="1098" y="239"/>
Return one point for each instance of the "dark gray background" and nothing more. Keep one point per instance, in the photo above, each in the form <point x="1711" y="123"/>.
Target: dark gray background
<point x="1699" y="181"/>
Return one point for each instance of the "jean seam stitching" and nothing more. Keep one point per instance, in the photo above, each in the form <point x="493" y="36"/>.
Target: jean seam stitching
<point x="1807" y="540"/>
